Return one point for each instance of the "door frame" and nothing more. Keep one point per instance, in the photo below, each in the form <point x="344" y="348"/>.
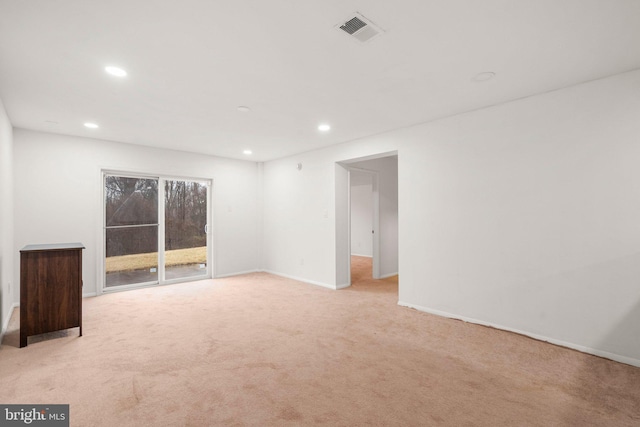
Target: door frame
<point x="342" y="217"/>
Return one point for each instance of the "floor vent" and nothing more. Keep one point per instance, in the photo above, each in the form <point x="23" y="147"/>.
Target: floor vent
<point x="360" y="28"/>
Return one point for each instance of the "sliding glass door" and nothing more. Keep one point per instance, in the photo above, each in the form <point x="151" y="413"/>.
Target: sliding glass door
<point x="140" y="250"/>
<point x="185" y="222"/>
<point x="131" y="230"/>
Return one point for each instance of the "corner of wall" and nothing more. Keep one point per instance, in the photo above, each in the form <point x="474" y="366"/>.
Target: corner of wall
<point x="7" y="288"/>
<point x="260" y="210"/>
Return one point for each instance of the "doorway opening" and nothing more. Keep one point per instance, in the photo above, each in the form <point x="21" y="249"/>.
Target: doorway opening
<point x="366" y="219"/>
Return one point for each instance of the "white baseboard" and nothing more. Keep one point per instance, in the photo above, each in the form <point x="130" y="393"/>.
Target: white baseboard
<point x="600" y="353"/>
<point x="386" y="276"/>
<point x="299" y="279"/>
<point x="365" y="256"/>
<point x="89" y="295"/>
<point x="238" y="273"/>
<point x="344" y="285"/>
<point x="5" y="322"/>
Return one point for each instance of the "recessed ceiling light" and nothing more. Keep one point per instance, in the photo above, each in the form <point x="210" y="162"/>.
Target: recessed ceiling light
<point x="91" y="125"/>
<point x="247" y="152"/>
<point x="324" y="127"/>
<point x="115" y="71"/>
<point x="244" y="109"/>
<point x="484" y="76"/>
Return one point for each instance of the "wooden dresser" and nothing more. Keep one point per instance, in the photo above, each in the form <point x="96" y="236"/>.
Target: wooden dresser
<point x="50" y="288"/>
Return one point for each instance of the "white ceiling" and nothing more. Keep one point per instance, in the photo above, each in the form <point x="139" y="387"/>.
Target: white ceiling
<point x="191" y="63"/>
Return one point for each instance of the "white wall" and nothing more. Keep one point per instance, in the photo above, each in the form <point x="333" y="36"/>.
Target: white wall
<point x="58" y="187"/>
<point x="6" y="218"/>
<point x="298" y="212"/>
<point x="524" y="216"/>
<point x="361" y="214"/>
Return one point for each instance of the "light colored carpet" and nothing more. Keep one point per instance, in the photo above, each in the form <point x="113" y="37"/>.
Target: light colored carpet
<point x="261" y="350"/>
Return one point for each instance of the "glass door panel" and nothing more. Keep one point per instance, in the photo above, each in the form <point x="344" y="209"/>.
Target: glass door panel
<point x="131" y="230"/>
<point x="185" y="237"/>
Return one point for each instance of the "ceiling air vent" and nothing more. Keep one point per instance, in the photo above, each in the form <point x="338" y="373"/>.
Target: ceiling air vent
<point x="360" y="28"/>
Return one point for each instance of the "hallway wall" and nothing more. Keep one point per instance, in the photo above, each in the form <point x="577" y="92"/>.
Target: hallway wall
<point x="361" y="214"/>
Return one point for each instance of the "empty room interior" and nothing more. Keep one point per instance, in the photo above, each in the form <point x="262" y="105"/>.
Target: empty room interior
<point x="321" y="212"/>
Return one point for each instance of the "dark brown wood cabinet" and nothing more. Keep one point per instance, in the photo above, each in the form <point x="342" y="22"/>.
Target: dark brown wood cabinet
<point x="50" y="288"/>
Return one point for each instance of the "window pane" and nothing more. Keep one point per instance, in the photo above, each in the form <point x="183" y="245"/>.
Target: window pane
<point x="132" y="255"/>
<point x="131" y="201"/>
<point x="185" y="207"/>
